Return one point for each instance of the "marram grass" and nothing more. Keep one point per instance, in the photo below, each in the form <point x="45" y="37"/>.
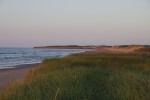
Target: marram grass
<point x="99" y="76"/>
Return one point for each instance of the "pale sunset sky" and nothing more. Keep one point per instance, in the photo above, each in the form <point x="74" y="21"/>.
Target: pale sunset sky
<point x="27" y="23"/>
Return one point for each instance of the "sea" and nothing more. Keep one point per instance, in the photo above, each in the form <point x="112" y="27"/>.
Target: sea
<point x="19" y="56"/>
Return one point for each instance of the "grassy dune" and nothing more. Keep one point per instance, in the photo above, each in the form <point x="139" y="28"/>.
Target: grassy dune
<point x="99" y="76"/>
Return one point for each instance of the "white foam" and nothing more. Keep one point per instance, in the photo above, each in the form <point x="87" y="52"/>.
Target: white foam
<point x="6" y="67"/>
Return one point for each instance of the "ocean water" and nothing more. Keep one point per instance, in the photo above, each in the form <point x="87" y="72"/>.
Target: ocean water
<point x="19" y="56"/>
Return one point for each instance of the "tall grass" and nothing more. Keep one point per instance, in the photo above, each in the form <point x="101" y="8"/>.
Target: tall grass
<point x="99" y="76"/>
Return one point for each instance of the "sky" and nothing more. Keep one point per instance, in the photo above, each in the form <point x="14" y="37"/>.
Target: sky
<point x="28" y="23"/>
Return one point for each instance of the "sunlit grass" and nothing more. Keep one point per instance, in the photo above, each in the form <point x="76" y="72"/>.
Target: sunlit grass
<point x="98" y="76"/>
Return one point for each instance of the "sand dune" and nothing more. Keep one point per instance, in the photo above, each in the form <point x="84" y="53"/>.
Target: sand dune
<point x="120" y="49"/>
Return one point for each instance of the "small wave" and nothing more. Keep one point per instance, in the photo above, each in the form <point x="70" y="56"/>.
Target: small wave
<point x="6" y="67"/>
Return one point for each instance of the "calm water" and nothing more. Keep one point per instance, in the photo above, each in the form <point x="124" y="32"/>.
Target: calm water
<point x="18" y="56"/>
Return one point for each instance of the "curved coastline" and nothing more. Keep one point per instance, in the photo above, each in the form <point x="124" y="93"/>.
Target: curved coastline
<point x="17" y="72"/>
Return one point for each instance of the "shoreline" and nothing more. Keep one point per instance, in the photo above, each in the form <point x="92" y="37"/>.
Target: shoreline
<point x="18" y="72"/>
<point x="15" y="73"/>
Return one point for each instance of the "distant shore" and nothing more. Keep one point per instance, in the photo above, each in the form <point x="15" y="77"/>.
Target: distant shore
<point x="15" y="73"/>
<point x="103" y="48"/>
<point x="67" y="47"/>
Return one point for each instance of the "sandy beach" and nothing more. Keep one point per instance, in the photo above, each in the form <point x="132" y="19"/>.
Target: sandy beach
<point x="16" y="73"/>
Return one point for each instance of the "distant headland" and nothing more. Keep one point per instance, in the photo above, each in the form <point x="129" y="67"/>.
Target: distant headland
<point x="103" y="48"/>
<point x="67" y="47"/>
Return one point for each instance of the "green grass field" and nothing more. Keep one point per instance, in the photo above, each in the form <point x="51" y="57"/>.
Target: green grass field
<point x="98" y="76"/>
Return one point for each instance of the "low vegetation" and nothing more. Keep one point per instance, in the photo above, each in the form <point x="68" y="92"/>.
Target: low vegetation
<point x="143" y="50"/>
<point x="86" y="76"/>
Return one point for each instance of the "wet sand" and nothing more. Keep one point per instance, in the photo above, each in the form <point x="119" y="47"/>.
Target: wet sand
<point x="12" y="74"/>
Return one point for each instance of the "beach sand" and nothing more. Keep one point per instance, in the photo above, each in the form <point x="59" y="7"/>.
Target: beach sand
<point x="12" y="74"/>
